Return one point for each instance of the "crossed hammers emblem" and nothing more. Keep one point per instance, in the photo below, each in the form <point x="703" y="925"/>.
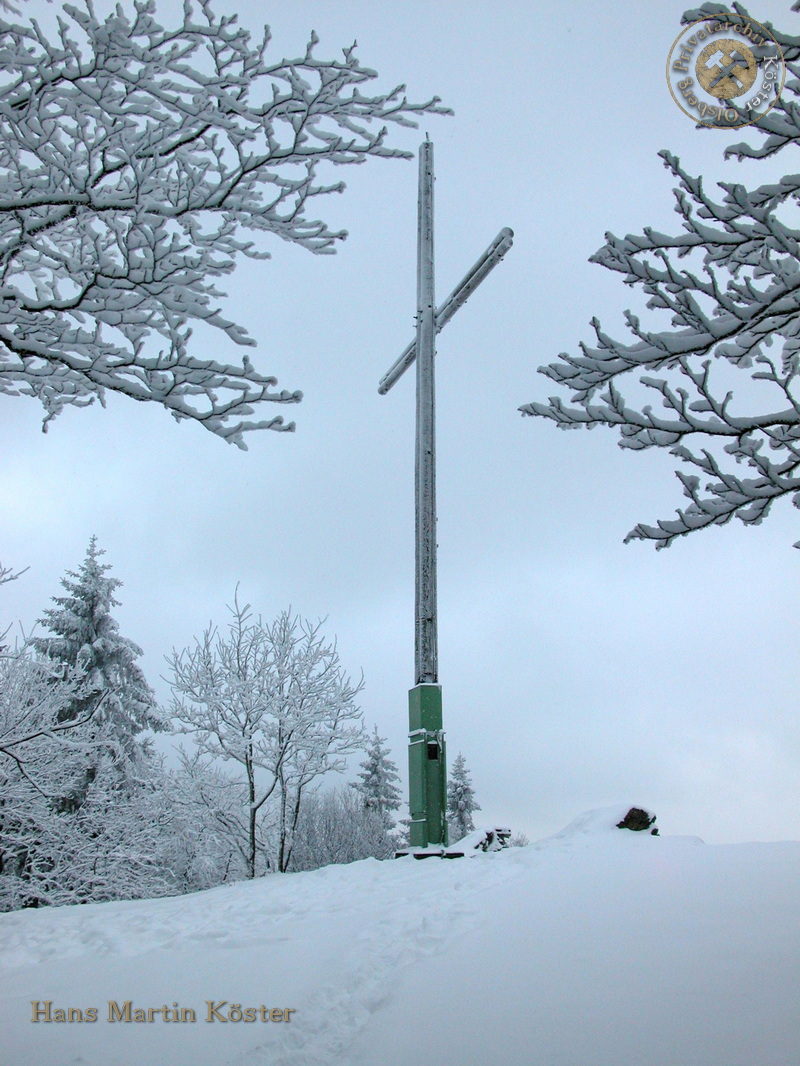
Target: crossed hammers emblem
<point x="727" y="70"/>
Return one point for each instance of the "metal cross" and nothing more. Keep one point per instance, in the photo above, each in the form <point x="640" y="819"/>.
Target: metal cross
<point x="427" y="783"/>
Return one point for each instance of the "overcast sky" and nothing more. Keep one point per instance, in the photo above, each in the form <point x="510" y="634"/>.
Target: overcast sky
<point x="576" y="671"/>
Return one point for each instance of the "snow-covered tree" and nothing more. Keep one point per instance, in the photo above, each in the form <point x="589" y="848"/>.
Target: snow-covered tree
<point x="274" y="699"/>
<point x="730" y="279"/>
<point x="137" y="164"/>
<point x="7" y="574"/>
<point x="460" y="800"/>
<point x="113" y="843"/>
<point x="209" y="831"/>
<point x="336" y="827"/>
<point x="377" y="786"/>
<point x="86" y="638"/>
<point x="82" y="804"/>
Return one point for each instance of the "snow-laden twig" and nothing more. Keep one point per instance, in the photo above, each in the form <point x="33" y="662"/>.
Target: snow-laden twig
<point x="743" y="298"/>
<point x="7" y="574"/>
<point x="137" y="165"/>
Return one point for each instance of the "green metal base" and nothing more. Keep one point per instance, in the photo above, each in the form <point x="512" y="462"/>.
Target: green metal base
<point x="427" y="767"/>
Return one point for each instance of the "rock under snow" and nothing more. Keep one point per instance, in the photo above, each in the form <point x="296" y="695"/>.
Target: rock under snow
<point x="597" y="823"/>
<point x="638" y="819"/>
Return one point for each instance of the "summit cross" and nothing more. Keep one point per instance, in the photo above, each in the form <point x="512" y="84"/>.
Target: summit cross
<point x="426" y="750"/>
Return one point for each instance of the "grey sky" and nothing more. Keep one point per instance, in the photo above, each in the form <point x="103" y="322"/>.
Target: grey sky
<point x="576" y="672"/>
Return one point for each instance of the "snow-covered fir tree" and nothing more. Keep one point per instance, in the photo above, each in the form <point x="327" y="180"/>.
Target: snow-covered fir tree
<point x="377" y="786"/>
<point x="85" y="637"/>
<point x="460" y="800"/>
<point x="76" y="825"/>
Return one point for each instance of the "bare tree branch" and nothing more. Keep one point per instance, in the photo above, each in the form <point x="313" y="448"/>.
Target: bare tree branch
<point x="52" y="730"/>
<point x="7" y="574"/>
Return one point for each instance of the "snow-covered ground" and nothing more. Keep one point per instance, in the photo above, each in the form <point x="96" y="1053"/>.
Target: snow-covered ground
<point x="594" y="947"/>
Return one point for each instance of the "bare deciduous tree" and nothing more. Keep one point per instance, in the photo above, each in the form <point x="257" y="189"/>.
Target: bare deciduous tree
<point x="336" y="827"/>
<point x="272" y="698"/>
<point x="735" y="296"/>
<point x="7" y="574"/>
<point x="209" y="838"/>
<point x="137" y="164"/>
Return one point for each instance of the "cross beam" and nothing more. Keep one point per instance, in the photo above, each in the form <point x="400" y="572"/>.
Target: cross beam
<point x="427" y="770"/>
<point x="465" y="288"/>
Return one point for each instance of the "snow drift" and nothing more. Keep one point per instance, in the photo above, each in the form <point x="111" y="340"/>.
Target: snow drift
<point x="594" y="947"/>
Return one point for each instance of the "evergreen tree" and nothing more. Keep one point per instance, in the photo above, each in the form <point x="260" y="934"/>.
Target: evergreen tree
<point x="377" y="785"/>
<point x="460" y="800"/>
<point x="86" y="638"/>
<point x="78" y="824"/>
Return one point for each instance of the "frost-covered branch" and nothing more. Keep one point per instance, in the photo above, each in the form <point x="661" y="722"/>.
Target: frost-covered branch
<point x="71" y="828"/>
<point x="7" y="574"/>
<point x="336" y="827"/>
<point x="137" y="165"/>
<point x="51" y="730"/>
<point x="730" y="283"/>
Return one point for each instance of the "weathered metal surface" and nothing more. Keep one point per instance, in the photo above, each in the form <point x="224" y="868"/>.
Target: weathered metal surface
<point x="425" y="639"/>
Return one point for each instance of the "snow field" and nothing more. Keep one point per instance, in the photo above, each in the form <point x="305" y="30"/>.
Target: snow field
<point x="594" y="947"/>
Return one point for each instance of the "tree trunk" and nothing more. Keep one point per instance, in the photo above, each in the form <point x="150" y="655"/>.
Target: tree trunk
<point x="251" y="833"/>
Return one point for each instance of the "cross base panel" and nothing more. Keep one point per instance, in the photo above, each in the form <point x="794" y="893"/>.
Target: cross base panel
<point x="427" y="767"/>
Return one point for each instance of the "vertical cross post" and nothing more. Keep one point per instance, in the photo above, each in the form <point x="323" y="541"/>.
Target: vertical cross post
<point x="426" y="642"/>
<point x="426" y="749"/>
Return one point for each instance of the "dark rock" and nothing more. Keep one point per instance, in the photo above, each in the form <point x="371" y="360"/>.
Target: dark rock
<point x="637" y="820"/>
